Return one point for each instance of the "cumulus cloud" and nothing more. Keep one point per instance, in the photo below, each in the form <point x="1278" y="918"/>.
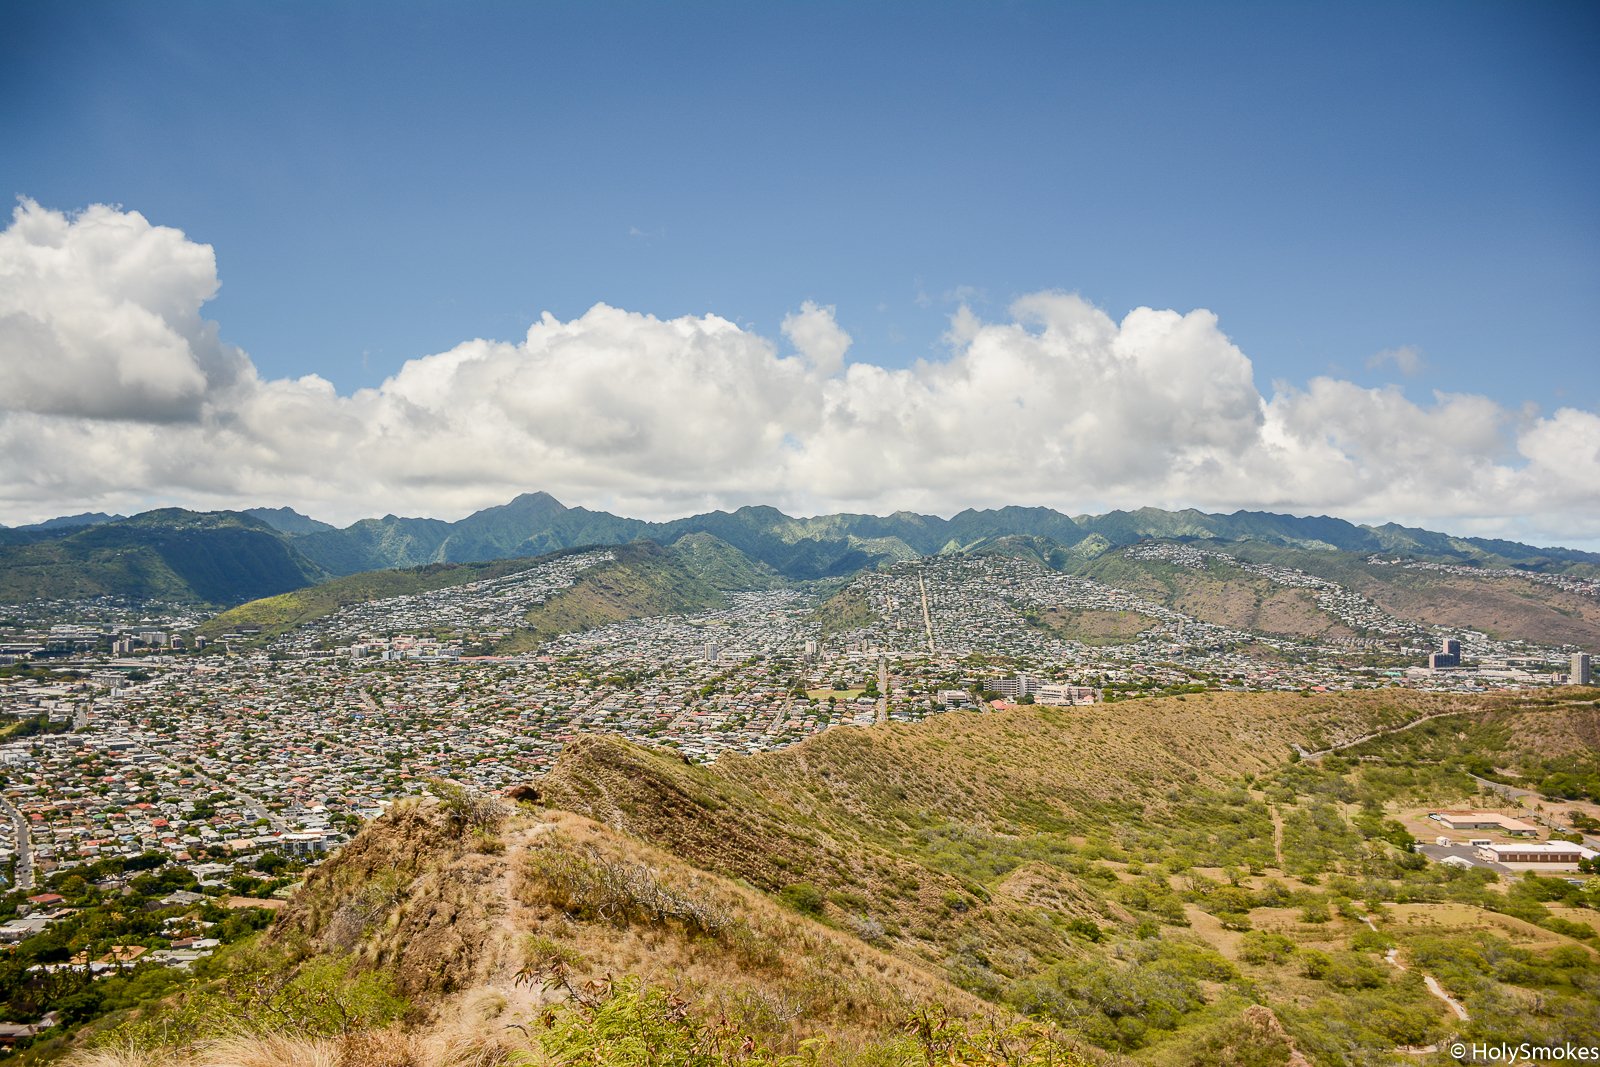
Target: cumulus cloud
<point x="817" y="337"/>
<point x="1056" y="403"/>
<point x="100" y="316"/>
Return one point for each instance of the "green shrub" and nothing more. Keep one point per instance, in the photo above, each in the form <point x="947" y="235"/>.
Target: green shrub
<point x="1259" y="946"/>
<point x="465" y="810"/>
<point x="804" y="897"/>
<point x="1371" y="941"/>
<point x="1314" y="963"/>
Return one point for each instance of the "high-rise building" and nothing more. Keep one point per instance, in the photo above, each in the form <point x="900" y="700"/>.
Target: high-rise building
<point x="1016" y="688"/>
<point x="1449" y="655"/>
<point x="711" y="652"/>
<point x="1580" y="669"/>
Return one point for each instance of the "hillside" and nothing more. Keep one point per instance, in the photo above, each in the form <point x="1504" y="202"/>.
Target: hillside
<point x="718" y="563"/>
<point x="169" y="554"/>
<point x="644" y="579"/>
<point x="1220" y="593"/>
<point x="845" y="610"/>
<point x="1508" y="604"/>
<point x="1092" y="627"/>
<point x="532" y="936"/>
<point x="281" y="613"/>
<point x="1043" y="857"/>
<point x="1154" y="883"/>
<point x="641" y="579"/>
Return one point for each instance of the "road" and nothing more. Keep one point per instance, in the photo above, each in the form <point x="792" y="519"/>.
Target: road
<point x="1512" y="792"/>
<point x="883" y="689"/>
<point x="927" y="619"/>
<point x="24" y="846"/>
<point x="1372" y="736"/>
<point x="783" y="714"/>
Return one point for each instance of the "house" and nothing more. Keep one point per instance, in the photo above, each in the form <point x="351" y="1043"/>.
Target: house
<point x="11" y="1033"/>
<point x="123" y="954"/>
<point x="22" y="929"/>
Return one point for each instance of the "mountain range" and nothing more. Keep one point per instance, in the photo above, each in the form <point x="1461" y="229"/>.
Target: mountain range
<point x="232" y="557"/>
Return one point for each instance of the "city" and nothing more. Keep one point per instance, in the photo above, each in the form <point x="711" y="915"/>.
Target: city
<point x="213" y="756"/>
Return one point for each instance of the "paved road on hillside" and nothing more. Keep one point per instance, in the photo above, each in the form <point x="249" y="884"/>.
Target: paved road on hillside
<point x="24" y="846"/>
<point x="1592" y="840"/>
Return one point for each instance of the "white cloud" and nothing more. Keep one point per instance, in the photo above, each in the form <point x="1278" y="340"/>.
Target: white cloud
<point x="100" y="316"/>
<point x="1408" y="358"/>
<point x="116" y="395"/>
<point x="817" y="337"/>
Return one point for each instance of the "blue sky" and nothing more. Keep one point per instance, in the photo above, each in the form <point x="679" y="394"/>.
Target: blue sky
<point x="384" y="182"/>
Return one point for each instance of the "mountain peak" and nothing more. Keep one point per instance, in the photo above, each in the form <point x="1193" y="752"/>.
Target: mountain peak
<point x="287" y="520"/>
<point x="536" y="506"/>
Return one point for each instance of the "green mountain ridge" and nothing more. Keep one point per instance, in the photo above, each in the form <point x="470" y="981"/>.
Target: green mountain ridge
<point x="240" y="556"/>
<point x="220" y="557"/>
<point x="829" y="546"/>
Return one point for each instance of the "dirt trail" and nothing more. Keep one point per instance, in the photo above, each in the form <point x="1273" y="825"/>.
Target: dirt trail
<point x="1428" y="980"/>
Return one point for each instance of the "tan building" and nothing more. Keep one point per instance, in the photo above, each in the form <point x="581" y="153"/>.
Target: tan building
<point x="1064" y="695"/>
<point x="1483" y="820"/>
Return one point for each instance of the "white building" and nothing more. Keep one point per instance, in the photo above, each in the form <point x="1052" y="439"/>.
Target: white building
<point x="1064" y="695"/>
<point x="1553" y="855"/>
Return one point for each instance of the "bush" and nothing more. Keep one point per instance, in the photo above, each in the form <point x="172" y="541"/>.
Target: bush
<point x="1086" y="929"/>
<point x="464" y="810"/>
<point x="1259" y="946"/>
<point x="805" y="898"/>
<point x="1314" y="963"/>
<point x="1371" y="941"/>
<point x="629" y="1024"/>
<point x="263" y="996"/>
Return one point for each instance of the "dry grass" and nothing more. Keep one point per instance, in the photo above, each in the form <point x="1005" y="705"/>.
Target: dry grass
<point x="1094" y="627"/>
<point x="459" y="930"/>
<point x="843" y="809"/>
<point x="461" y="1044"/>
<point x="768" y="970"/>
